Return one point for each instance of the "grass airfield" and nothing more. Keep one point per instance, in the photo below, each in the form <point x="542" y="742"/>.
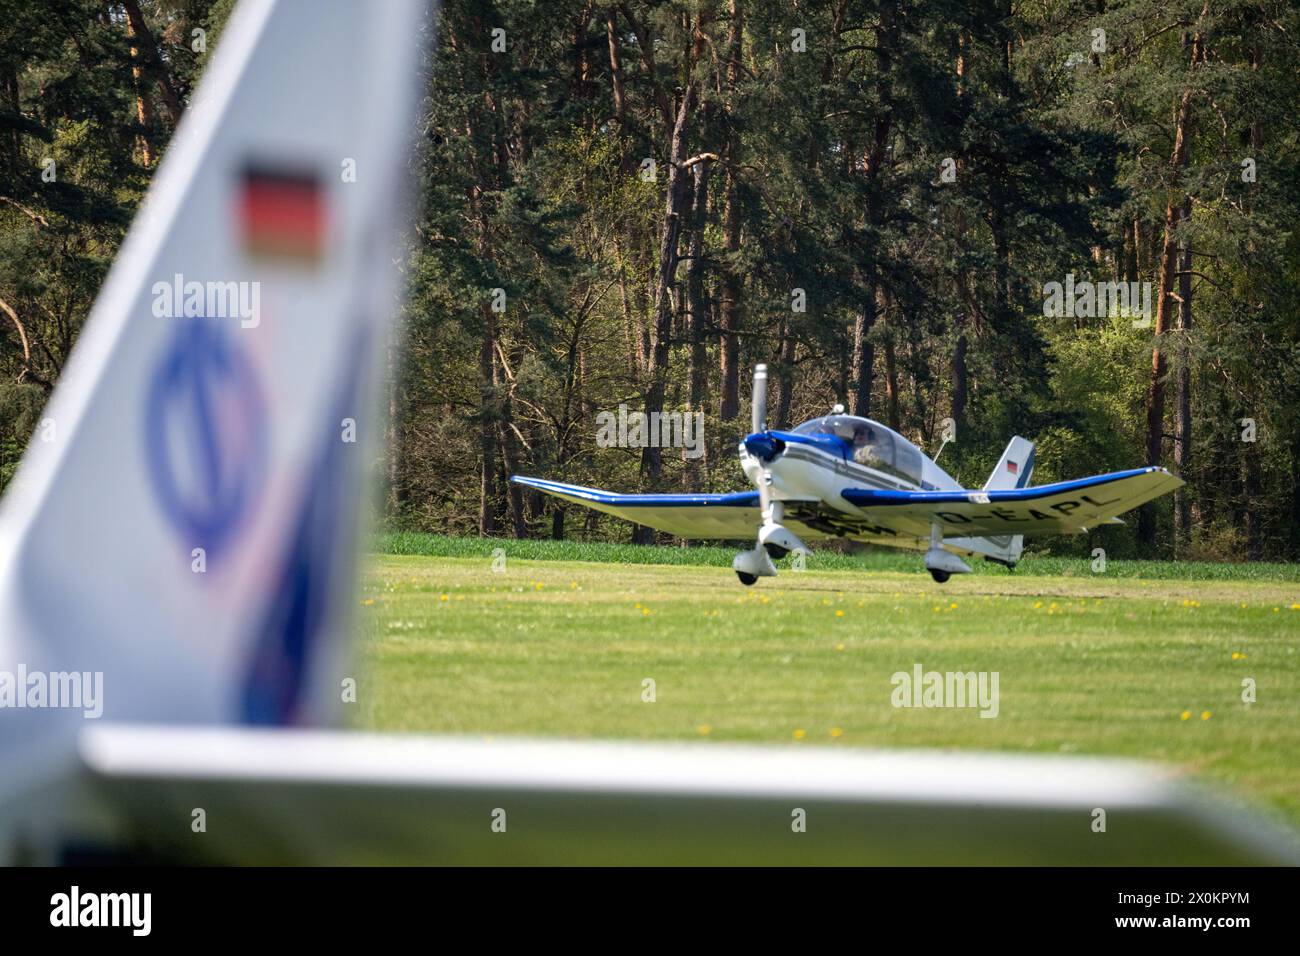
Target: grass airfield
<point x="1136" y="662"/>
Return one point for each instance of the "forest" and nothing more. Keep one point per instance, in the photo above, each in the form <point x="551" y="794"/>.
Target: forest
<point x="1072" y="221"/>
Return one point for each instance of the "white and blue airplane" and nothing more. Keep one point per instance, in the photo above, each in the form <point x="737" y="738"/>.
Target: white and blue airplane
<point x="842" y="476"/>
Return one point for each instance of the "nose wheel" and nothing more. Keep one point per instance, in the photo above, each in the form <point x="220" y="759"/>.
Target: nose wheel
<point x="939" y="576"/>
<point x="746" y="579"/>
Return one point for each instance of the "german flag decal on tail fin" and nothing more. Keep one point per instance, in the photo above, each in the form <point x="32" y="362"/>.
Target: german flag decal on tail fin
<point x="282" y="214"/>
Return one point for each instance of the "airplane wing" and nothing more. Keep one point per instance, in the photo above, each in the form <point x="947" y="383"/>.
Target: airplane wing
<point x="1060" y="508"/>
<point x="735" y="515"/>
<point x="273" y="795"/>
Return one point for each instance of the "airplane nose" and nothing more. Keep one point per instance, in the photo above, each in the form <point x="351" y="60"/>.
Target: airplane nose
<point x="763" y="445"/>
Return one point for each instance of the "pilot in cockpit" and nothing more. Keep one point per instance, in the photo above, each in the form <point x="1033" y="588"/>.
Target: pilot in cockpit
<point x="864" y="445"/>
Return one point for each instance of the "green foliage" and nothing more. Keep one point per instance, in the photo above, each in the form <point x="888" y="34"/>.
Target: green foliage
<point x="920" y="172"/>
<point x="75" y="159"/>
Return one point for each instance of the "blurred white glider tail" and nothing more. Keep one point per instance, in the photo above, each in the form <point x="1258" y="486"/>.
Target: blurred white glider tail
<point x="185" y="524"/>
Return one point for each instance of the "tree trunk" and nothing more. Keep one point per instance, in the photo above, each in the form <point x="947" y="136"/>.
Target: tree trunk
<point x="1252" y="505"/>
<point x="1294" y="529"/>
<point x="891" y="366"/>
<point x="143" y="106"/>
<point x="960" y="381"/>
<point x="1155" y="401"/>
<point x="675" y="210"/>
<point x="396" y="489"/>
<point x="510" y="463"/>
<point x="487" y="519"/>
<point x="149" y="51"/>
<point x="699" y="373"/>
<point x="730" y="310"/>
<point x="785" y="375"/>
<point x="864" y="356"/>
<point x="615" y="65"/>
<point x="863" y="349"/>
<point x="1183" y="409"/>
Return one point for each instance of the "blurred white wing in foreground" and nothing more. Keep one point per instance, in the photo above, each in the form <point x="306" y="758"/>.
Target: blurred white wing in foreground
<point x="336" y="797"/>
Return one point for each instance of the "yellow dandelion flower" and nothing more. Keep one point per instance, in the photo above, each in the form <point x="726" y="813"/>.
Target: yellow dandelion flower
<point x="1185" y="715"/>
<point x="839" y="613"/>
<point x="800" y="734"/>
<point x="836" y="732"/>
<point x="704" y="730"/>
<point x="1205" y="715"/>
<point x="839" y="647"/>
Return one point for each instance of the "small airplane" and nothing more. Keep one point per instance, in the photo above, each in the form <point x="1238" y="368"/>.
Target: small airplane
<point x="842" y="476"/>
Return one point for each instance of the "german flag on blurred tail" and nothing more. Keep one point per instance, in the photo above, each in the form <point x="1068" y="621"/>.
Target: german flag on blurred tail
<point x="282" y="214"/>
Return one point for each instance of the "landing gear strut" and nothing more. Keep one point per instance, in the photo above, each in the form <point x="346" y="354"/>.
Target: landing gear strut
<point x="940" y="563"/>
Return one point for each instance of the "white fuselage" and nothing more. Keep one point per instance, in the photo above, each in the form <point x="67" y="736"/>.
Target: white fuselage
<point x="804" y="472"/>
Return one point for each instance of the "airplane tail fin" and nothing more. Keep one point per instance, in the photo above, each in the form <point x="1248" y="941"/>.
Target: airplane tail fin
<point x="1014" y="470"/>
<point x="196" y="481"/>
<point x="1014" y="467"/>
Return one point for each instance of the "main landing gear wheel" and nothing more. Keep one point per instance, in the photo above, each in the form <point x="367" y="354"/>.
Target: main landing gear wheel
<point x="746" y="579"/>
<point x="939" y="576"/>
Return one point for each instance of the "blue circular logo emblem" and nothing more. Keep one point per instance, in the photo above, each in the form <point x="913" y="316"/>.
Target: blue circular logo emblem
<point x="206" y="434"/>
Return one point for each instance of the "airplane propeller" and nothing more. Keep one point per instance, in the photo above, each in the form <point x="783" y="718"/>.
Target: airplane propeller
<point x="774" y="539"/>
<point x="760" y="399"/>
<point x="759" y="422"/>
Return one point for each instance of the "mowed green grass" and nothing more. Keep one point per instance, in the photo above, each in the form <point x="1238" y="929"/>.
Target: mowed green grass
<point x="1140" y="666"/>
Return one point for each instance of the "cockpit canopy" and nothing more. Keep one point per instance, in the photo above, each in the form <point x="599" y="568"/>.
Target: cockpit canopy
<point x="872" y="444"/>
